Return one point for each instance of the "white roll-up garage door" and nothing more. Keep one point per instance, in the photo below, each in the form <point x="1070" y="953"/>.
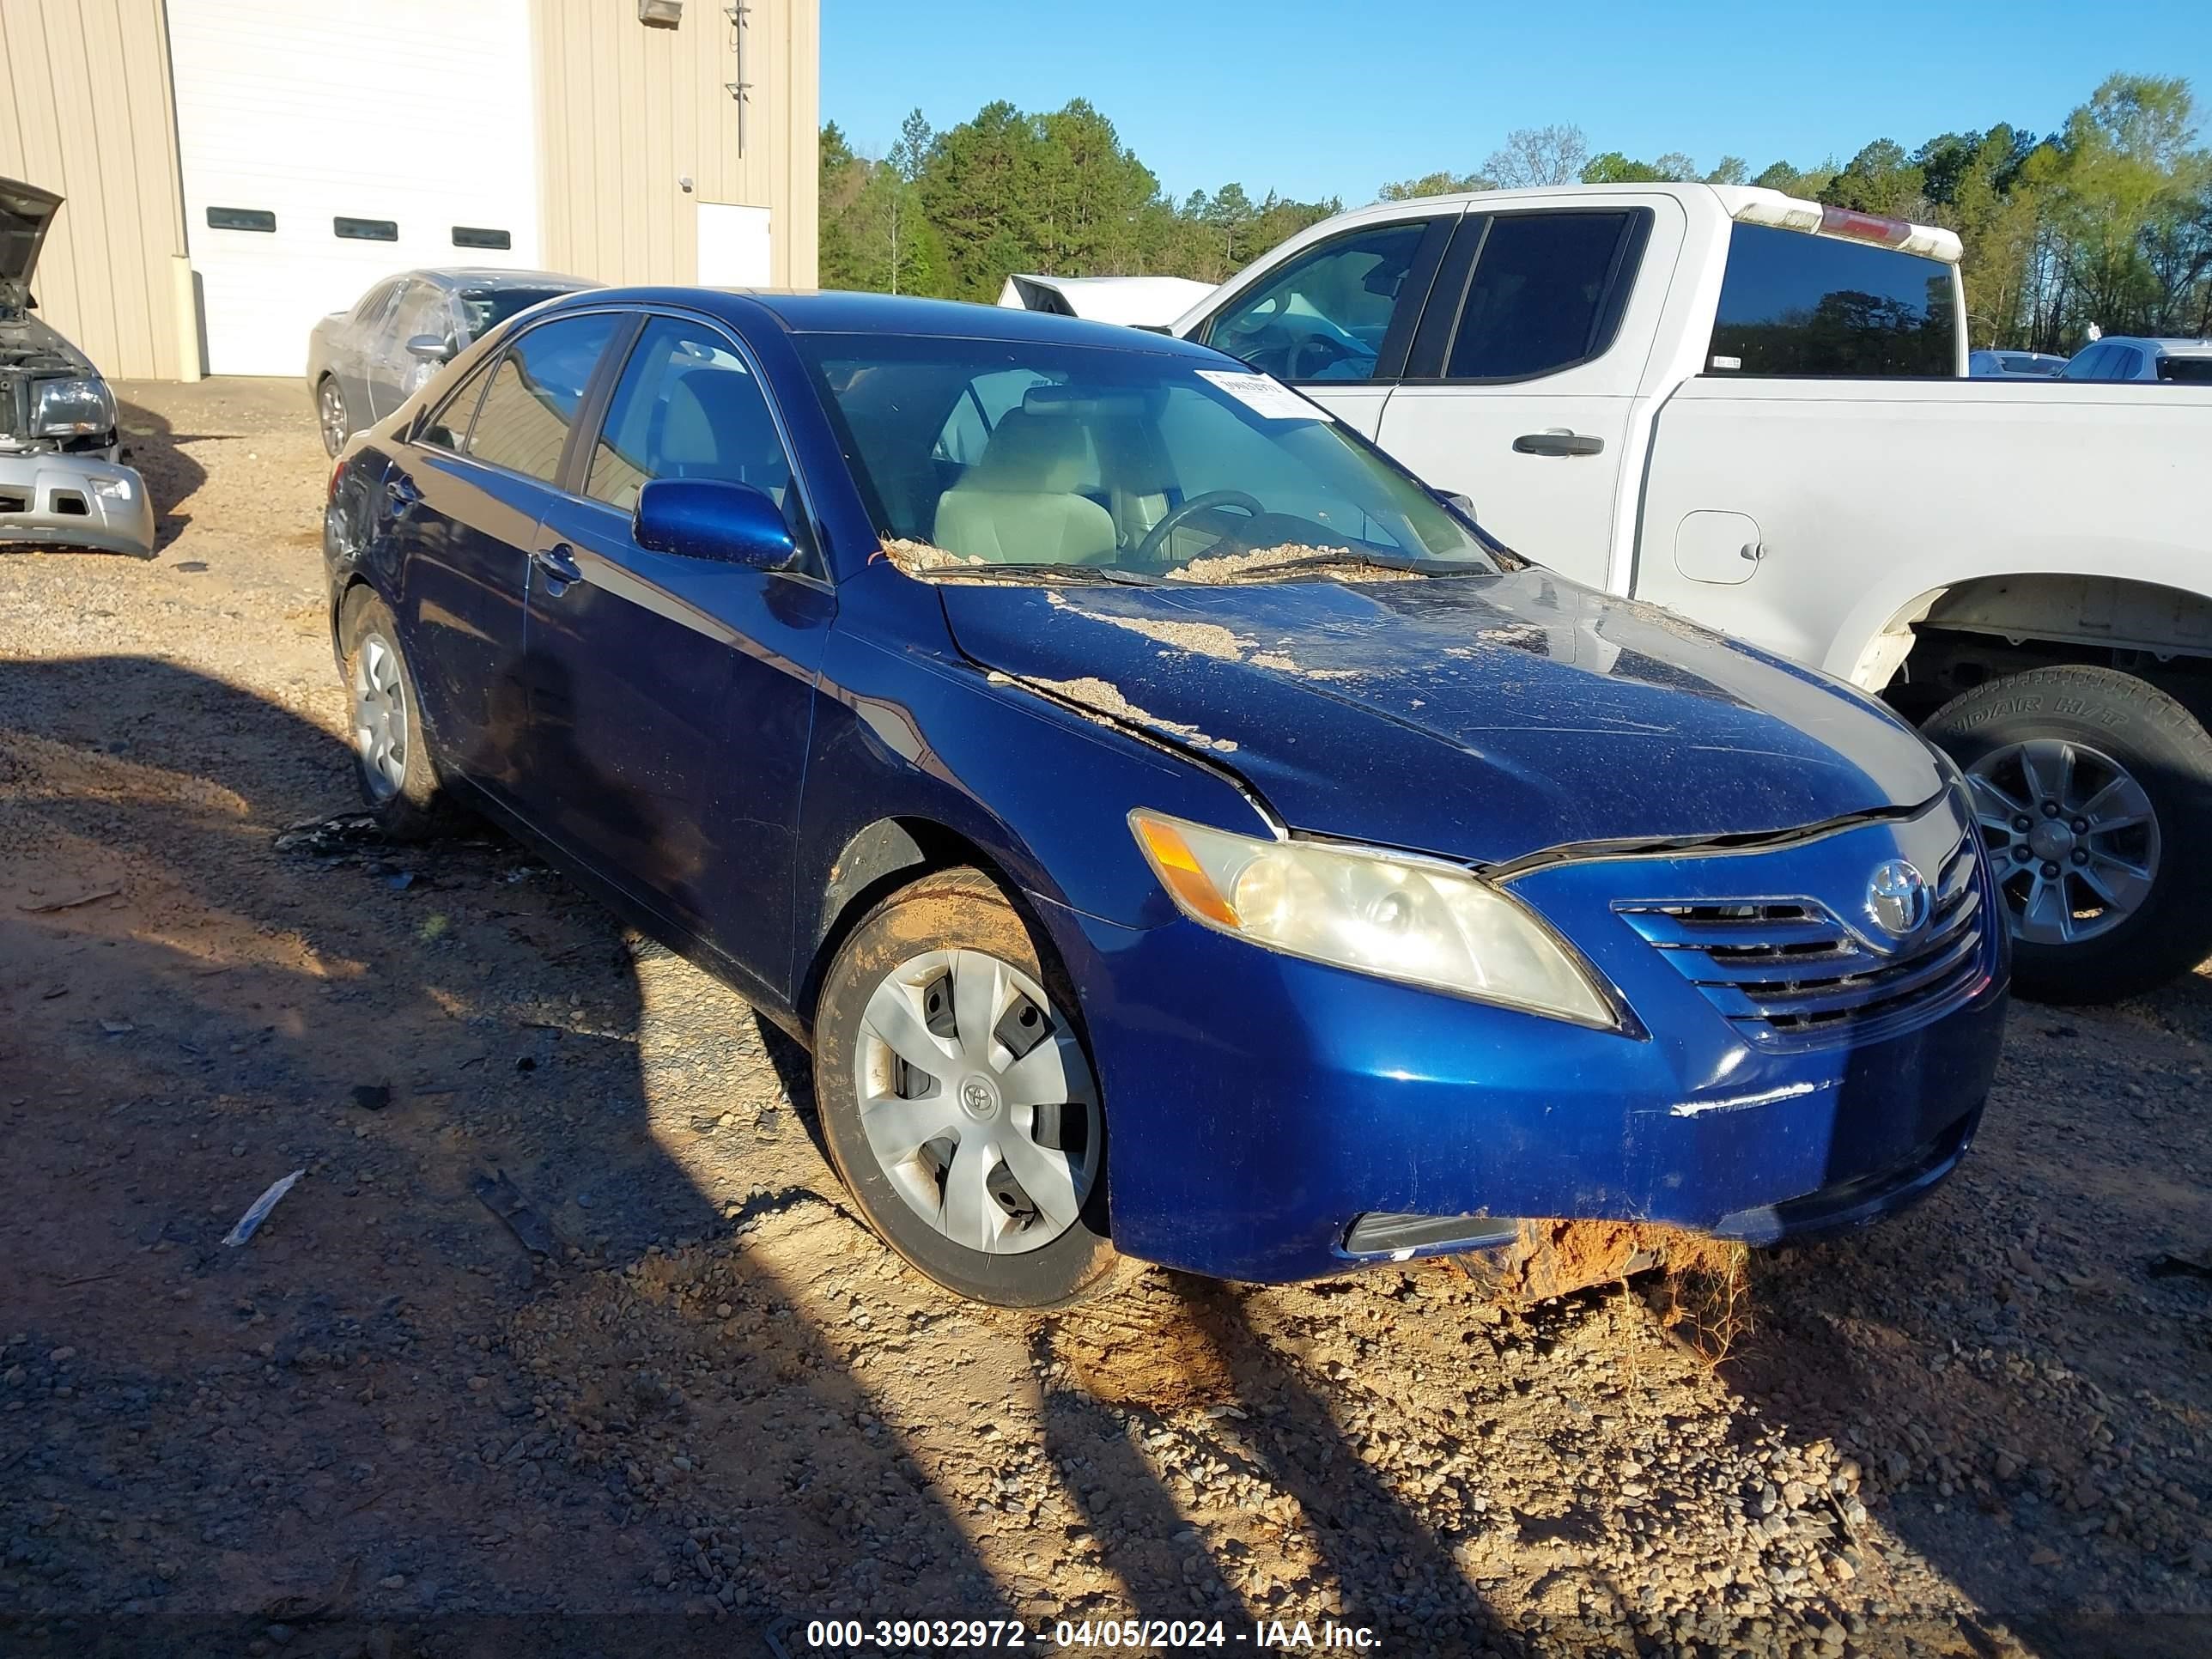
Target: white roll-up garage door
<point x="327" y="144"/>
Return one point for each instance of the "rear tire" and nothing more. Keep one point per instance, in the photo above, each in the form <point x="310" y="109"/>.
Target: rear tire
<point x="2106" y="896"/>
<point x="391" y="758"/>
<point x="980" y="1159"/>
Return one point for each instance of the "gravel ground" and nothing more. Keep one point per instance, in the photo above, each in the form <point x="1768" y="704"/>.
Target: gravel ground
<point x="707" y="1407"/>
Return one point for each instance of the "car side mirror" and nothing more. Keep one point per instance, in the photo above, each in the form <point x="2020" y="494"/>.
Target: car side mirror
<point x="430" y="348"/>
<point x="711" y="519"/>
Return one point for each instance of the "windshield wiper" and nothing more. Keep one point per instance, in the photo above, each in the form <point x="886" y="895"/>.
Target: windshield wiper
<point x="1247" y="568"/>
<point x="1042" y="572"/>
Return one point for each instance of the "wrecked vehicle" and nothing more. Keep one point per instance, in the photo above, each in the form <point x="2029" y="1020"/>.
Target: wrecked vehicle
<point x="363" y="362"/>
<point x="61" y="477"/>
<point x="1178" y="834"/>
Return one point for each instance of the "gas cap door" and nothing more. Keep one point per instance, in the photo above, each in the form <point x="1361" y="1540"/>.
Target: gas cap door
<point x="1717" y="547"/>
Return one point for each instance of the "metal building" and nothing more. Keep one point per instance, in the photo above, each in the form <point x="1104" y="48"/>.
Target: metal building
<point x="233" y="169"/>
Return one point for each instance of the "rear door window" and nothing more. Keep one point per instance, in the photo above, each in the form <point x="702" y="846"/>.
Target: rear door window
<point x="1338" y="311"/>
<point x="446" y="427"/>
<point x="1796" y="304"/>
<point x="536" y="387"/>
<point x="2083" y="364"/>
<point x="2185" y="371"/>
<point x="1548" y="293"/>
<point x="375" y="303"/>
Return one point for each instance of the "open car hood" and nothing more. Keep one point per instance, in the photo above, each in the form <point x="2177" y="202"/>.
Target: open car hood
<point x="1478" y="717"/>
<point x="25" y="211"/>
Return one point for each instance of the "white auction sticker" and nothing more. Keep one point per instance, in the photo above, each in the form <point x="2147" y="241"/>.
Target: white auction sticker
<point x="1265" y="395"/>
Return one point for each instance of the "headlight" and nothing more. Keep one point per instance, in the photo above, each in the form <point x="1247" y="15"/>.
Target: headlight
<point x="69" y="408"/>
<point x="1399" y="918"/>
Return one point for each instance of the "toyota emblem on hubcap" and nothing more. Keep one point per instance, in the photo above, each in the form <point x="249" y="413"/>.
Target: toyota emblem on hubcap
<point x="979" y="1097"/>
<point x="1897" y="898"/>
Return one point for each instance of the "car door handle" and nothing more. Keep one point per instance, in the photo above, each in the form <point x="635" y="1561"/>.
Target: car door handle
<point x="559" y="563"/>
<point x="1558" y="442"/>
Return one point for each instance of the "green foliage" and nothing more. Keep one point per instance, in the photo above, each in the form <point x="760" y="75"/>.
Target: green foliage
<point x="955" y="213"/>
<point x="2108" y="221"/>
<point x="1435" y="184"/>
<point x="1614" y="169"/>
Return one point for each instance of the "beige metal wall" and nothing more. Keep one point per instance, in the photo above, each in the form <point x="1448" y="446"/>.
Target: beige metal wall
<point x="625" y="111"/>
<point x="84" y="111"/>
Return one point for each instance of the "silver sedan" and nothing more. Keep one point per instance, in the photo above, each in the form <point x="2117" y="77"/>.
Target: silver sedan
<point x="361" y="363"/>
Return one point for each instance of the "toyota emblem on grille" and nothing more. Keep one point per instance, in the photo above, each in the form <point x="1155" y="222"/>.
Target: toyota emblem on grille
<point x="1897" y="898"/>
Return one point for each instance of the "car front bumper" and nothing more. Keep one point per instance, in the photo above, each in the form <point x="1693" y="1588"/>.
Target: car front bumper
<point x="1258" y="1106"/>
<point x="75" y="500"/>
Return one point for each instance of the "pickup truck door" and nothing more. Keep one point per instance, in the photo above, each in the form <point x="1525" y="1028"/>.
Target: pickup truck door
<point x="1521" y="379"/>
<point x="1336" y="319"/>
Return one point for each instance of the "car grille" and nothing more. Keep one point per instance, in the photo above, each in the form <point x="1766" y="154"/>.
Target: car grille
<point x="1789" y="973"/>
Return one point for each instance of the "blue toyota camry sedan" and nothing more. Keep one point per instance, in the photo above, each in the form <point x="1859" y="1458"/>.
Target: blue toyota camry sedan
<point x="1177" y="833"/>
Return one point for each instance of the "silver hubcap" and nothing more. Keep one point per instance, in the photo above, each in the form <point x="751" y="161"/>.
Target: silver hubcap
<point x="977" y="1102"/>
<point x="2071" y="835"/>
<point x="379" y="717"/>
<point x="334" y="420"/>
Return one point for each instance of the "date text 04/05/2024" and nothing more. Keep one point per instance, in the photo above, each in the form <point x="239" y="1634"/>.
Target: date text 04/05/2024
<point x="1270" y="1635"/>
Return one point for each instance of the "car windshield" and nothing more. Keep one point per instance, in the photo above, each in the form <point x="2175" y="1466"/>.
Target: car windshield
<point x="1086" y="461"/>
<point x="486" y="308"/>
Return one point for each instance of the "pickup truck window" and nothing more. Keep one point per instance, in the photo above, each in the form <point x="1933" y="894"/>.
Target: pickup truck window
<point x="1544" y="294"/>
<point x="1794" y="303"/>
<point x="2185" y="371"/>
<point x="1324" y="315"/>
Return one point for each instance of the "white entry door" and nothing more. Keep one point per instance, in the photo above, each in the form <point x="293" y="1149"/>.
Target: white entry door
<point x="733" y="246"/>
<point x="328" y="144"/>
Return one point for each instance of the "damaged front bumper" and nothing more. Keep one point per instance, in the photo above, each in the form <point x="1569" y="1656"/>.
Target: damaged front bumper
<point x="1276" y="1119"/>
<point x="75" y="500"/>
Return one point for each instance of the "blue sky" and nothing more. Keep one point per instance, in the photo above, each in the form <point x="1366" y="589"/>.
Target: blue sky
<point x="1313" y="99"/>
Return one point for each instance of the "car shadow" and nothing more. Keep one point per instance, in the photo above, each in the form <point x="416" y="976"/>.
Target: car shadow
<point x="172" y="475"/>
<point x="453" y="1046"/>
<point x="2033" y="1477"/>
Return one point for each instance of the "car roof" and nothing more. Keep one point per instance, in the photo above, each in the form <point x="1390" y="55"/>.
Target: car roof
<point x="498" y="277"/>
<point x="827" y="312"/>
<point x="2172" y="347"/>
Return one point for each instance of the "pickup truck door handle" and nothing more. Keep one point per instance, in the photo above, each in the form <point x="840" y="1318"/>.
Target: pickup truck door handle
<point x="1558" y="442"/>
<point x="558" y="561"/>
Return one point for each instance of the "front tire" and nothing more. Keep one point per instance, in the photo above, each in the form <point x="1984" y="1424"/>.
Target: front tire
<point x="2092" y="789"/>
<point x="332" y="415"/>
<point x="958" y="1100"/>
<point x="393" y="765"/>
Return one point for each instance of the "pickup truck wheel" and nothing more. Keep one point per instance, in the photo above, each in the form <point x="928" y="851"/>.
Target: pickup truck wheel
<point x="391" y="750"/>
<point x="2090" y="786"/>
<point x="958" y="1099"/>
<point x="331" y="415"/>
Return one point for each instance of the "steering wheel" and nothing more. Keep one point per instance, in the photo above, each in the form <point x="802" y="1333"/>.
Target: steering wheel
<point x="1148" y="550"/>
<point x="1315" y="353"/>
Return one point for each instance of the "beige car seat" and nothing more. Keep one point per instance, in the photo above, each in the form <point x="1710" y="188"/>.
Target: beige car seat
<point x="1018" y="504"/>
<point x="718" y="426"/>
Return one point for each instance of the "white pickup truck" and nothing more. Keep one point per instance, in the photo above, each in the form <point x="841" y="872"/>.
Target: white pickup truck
<point x="1754" y="410"/>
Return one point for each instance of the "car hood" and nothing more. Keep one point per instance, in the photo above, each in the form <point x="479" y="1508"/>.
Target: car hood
<point x="25" y="212"/>
<point x="1480" y="717"/>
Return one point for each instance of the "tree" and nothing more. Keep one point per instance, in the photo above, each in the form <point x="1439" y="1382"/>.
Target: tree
<point x="981" y="190"/>
<point x="1434" y="184"/>
<point x="1614" y="169"/>
<point x="904" y="163"/>
<point x="1730" y="170"/>
<point x="1533" y="157"/>
<point x="1882" y="179"/>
